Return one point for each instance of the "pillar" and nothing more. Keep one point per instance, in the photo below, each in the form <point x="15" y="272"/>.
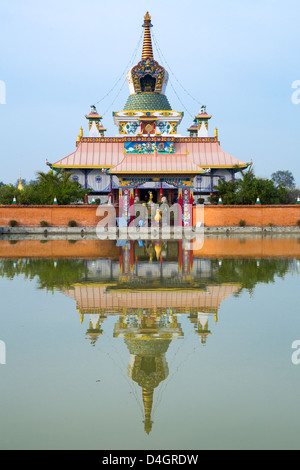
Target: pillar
<point x="187" y="206"/>
<point x="180" y="202"/>
<point x="131" y="201"/>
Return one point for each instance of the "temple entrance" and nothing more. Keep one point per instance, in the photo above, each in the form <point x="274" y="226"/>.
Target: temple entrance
<point x="144" y="195"/>
<point x="170" y="194"/>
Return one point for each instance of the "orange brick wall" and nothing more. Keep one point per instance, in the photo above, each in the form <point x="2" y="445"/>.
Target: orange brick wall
<point x="214" y="216"/>
<point x="54" y="215"/>
<point x="256" y="216"/>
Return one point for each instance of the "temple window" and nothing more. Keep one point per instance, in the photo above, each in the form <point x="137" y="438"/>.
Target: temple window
<point x="148" y="83"/>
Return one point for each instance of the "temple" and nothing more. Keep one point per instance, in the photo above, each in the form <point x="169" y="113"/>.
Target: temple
<point x="149" y="158"/>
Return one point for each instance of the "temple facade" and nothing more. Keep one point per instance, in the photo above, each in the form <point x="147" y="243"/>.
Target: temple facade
<point x="149" y="159"/>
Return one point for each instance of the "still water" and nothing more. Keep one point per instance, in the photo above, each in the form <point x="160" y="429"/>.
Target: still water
<point x="150" y="345"/>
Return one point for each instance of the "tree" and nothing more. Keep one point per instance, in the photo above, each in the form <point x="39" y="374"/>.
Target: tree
<point x="284" y="178"/>
<point x="246" y="189"/>
<point x="57" y="184"/>
<point x="44" y="189"/>
<point x="226" y="190"/>
<point x="7" y="193"/>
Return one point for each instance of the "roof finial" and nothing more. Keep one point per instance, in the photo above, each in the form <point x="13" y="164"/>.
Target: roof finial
<point x="147" y="45"/>
<point x="20" y="186"/>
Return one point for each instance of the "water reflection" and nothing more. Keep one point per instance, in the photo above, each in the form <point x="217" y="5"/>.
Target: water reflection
<point x="147" y="285"/>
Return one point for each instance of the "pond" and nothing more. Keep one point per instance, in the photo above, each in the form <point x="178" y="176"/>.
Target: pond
<point x="156" y="344"/>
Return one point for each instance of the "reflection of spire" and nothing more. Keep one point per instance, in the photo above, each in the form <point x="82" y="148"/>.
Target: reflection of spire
<point x="147" y="45"/>
<point x="148" y="402"/>
<point x="148" y="338"/>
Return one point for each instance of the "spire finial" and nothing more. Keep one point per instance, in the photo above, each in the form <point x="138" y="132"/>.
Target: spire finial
<point x="147" y="45"/>
<point x="20" y="186"/>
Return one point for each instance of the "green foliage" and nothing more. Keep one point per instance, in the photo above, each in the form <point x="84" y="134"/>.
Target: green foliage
<point x="13" y="223"/>
<point x="62" y="274"/>
<point x="246" y="189"/>
<point x="43" y="191"/>
<point x="43" y="223"/>
<point x="247" y="272"/>
<point x="242" y="223"/>
<point x="59" y="185"/>
<point x="226" y="190"/>
<point x="72" y="223"/>
<point x="7" y="194"/>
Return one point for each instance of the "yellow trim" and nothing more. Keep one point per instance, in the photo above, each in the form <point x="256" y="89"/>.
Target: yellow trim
<point x="81" y="166"/>
<point x="224" y="166"/>
<point x="93" y="284"/>
<point x="113" y="166"/>
<point x="157" y="172"/>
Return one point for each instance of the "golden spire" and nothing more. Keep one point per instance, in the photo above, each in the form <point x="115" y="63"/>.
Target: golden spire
<point x="20" y="186"/>
<point x="147" y="45"/>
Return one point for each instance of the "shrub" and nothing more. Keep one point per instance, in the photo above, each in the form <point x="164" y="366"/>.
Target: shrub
<point x="242" y="223"/>
<point x="270" y="224"/>
<point x="298" y="223"/>
<point x="13" y="223"/>
<point x="72" y="223"/>
<point x="43" y="223"/>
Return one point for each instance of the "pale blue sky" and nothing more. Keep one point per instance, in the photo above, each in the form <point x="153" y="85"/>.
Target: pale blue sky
<point x="239" y="58"/>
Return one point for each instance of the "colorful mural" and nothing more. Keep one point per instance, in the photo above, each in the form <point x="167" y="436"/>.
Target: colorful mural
<point x="149" y="147"/>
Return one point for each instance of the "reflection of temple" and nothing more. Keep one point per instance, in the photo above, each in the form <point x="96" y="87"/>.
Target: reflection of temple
<point x="148" y="287"/>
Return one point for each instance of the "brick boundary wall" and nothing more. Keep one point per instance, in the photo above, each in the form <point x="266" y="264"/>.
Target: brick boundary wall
<point x="214" y="216"/>
<point x="254" y="216"/>
<point x="55" y="216"/>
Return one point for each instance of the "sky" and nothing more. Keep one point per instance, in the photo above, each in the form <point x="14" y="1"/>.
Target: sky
<point x="239" y="58"/>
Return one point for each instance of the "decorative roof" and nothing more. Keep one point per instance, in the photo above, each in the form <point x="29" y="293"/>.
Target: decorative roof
<point x="189" y="156"/>
<point x="93" y="155"/>
<point x="148" y="101"/>
<point x="209" y="155"/>
<point x="93" y="113"/>
<point x="156" y="163"/>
